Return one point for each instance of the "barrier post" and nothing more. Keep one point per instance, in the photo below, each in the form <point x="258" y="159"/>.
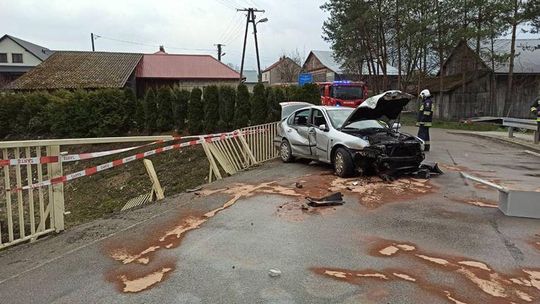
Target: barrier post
<point x="57" y="190"/>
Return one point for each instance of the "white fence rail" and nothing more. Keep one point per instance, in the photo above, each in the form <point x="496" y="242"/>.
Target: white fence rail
<point x="253" y="145"/>
<point x="35" y="211"/>
<point x="25" y="215"/>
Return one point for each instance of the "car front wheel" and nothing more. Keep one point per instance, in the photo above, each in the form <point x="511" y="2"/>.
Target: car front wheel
<point x="285" y="152"/>
<point x="343" y="163"/>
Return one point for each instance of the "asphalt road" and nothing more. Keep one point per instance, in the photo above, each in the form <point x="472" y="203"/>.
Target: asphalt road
<point x="411" y="241"/>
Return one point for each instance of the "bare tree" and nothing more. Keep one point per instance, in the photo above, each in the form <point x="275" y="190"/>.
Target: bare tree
<point x="289" y="66"/>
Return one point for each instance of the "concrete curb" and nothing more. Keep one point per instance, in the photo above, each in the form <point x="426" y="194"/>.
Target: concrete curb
<point x="503" y="140"/>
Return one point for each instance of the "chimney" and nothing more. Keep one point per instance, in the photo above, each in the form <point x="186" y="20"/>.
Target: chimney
<point x="162" y="49"/>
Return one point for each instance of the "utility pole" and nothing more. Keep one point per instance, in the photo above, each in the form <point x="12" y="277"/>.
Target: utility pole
<point x="220" y="50"/>
<point x="251" y="19"/>
<point x="92" y="38"/>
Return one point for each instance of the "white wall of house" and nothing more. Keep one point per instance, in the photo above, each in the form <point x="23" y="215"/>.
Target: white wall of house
<point x="9" y="47"/>
<point x="266" y="76"/>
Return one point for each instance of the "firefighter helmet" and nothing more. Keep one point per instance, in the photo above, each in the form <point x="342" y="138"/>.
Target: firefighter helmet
<point x="425" y="94"/>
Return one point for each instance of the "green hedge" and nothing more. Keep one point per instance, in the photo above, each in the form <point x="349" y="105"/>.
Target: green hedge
<point x="114" y="112"/>
<point x="65" y="114"/>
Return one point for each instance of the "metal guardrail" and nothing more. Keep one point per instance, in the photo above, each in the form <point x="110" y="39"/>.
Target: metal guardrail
<point x="528" y="124"/>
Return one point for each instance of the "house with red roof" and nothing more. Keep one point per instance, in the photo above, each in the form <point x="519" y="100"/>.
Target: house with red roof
<point x="93" y="70"/>
<point x="186" y="71"/>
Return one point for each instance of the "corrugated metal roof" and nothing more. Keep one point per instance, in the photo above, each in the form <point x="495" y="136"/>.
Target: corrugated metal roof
<point x="327" y="59"/>
<point x="527" y="58"/>
<point x="180" y="66"/>
<point x="74" y="70"/>
<point x="37" y="50"/>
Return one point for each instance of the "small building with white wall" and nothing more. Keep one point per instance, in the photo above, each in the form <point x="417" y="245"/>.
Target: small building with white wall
<point x="18" y="56"/>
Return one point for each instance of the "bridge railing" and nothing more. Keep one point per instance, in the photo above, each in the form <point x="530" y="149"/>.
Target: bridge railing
<point x="32" y="172"/>
<point x="27" y="212"/>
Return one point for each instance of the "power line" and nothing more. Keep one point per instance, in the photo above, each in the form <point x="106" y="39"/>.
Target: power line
<point x="232" y="27"/>
<point x="148" y="44"/>
<point x="237" y="29"/>
<point x="228" y="27"/>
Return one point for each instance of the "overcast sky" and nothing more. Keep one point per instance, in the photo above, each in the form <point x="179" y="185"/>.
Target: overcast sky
<point x="183" y="26"/>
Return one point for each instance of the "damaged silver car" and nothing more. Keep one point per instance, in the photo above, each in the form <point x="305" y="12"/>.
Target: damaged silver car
<point x="352" y="140"/>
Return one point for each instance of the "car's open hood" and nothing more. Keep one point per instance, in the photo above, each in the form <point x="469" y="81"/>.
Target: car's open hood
<point x="389" y="104"/>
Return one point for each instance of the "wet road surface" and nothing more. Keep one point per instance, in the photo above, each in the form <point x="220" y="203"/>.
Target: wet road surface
<point x="410" y="241"/>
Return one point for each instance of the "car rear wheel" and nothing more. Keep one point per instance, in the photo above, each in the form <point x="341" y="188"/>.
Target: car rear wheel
<point x="285" y="152"/>
<point x="343" y="163"/>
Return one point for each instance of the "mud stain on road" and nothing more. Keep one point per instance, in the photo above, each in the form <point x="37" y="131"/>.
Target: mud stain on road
<point x="373" y="193"/>
<point x="473" y="281"/>
<point x="370" y="193"/>
<point x="535" y="242"/>
<point x="479" y="202"/>
<point x="135" y="279"/>
<point x="140" y="255"/>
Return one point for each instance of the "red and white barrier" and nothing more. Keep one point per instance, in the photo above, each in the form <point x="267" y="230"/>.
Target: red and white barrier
<point x="92" y="155"/>
<point x="119" y="162"/>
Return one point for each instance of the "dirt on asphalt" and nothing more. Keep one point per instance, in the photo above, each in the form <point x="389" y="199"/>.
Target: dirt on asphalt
<point x="138" y="270"/>
<point x="475" y="279"/>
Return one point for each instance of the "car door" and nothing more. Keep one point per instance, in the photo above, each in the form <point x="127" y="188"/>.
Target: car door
<point x="297" y="133"/>
<point x="318" y="139"/>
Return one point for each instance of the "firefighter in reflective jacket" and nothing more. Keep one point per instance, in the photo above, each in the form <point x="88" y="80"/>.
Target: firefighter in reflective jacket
<point x="535" y="110"/>
<point x="425" y="118"/>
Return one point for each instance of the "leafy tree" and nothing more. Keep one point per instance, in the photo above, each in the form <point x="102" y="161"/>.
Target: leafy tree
<point x="180" y="108"/>
<point x="195" y="112"/>
<point x="211" y="108"/>
<point x="150" y="111"/>
<point x="242" y="110"/>
<point x="165" y="119"/>
<point x="227" y="101"/>
<point x="516" y="13"/>
<point x="258" y="105"/>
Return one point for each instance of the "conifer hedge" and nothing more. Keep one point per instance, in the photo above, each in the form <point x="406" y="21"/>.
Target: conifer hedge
<point x="115" y="112"/>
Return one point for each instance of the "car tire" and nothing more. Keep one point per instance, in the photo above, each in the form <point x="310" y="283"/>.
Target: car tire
<point x="343" y="163"/>
<point x="285" y="152"/>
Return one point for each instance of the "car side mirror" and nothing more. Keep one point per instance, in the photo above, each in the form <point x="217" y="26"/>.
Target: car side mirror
<point x="323" y="128"/>
<point x="396" y="126"/>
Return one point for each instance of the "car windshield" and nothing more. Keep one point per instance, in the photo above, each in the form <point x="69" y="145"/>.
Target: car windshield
<point x="348" y="93"/>
<point x="367" y="124"/>
<point x="338" y="116"/>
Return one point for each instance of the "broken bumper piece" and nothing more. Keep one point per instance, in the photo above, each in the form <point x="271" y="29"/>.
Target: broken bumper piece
<point x="334" y="199"/>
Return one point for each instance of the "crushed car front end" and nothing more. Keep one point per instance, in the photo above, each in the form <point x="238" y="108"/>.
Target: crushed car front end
<point x="388" y="151"/>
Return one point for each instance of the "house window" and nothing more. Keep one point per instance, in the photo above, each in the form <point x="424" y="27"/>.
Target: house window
<point x="16" y="58"/>
<point x="3" y="58"/>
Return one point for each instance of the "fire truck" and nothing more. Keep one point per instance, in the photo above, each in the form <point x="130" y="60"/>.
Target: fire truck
<point x="343" y="93"/>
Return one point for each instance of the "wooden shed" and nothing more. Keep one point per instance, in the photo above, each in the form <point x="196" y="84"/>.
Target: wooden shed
<point x="476" y="84"/>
